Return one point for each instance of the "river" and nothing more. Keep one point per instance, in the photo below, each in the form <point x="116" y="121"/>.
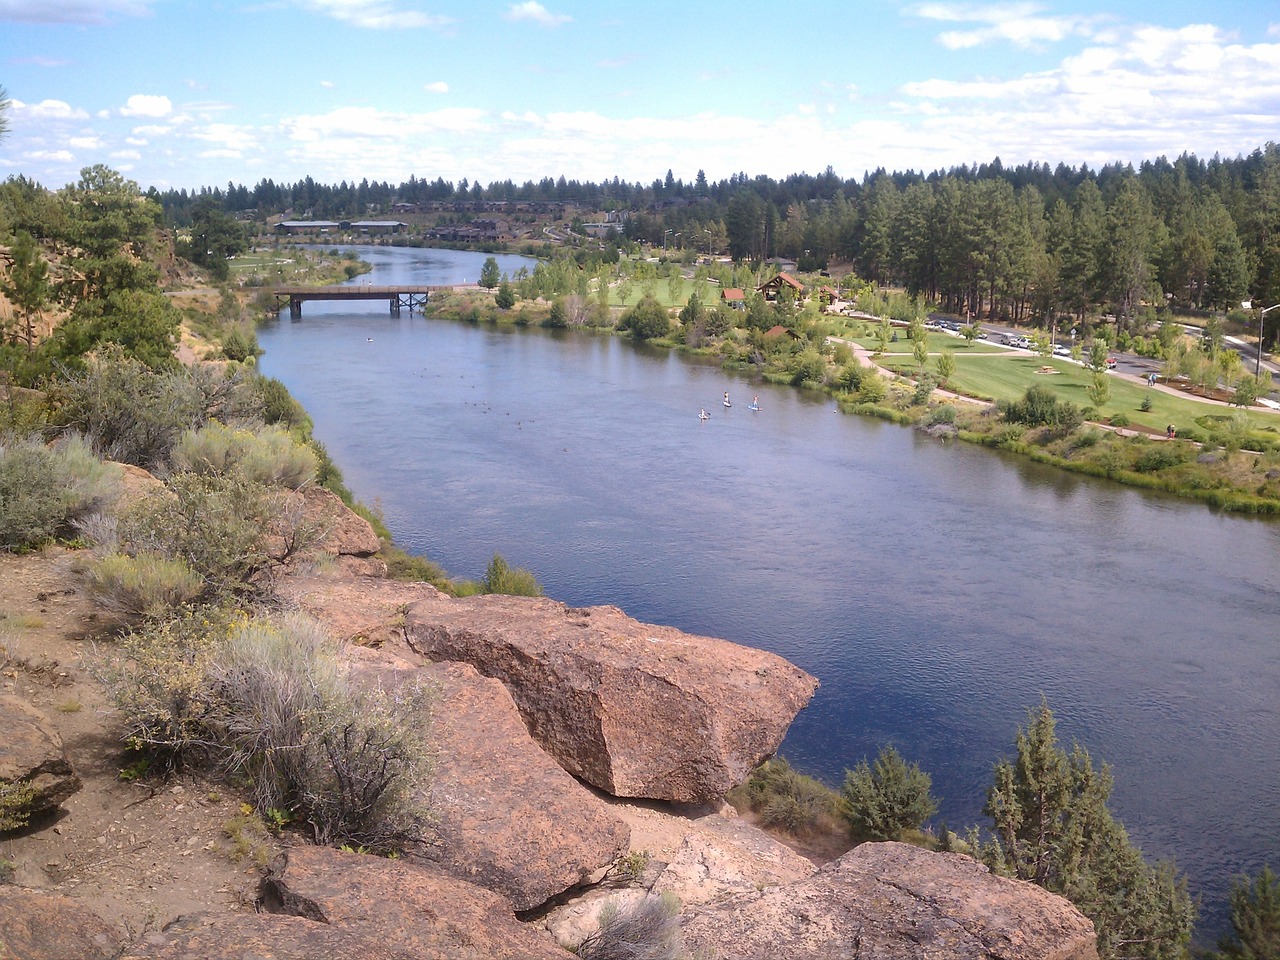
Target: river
<point x="937" y="590"/>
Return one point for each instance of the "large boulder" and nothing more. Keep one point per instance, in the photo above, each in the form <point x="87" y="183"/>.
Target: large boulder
<point x="341" y="530"/>
<point x="35" y="774"/>
<point x="48" y="926"/>
<point x="634" y="709"/>
<point x="894" y="902"/>
<point x="507" y="817"/>
<point x="408" y="909"/>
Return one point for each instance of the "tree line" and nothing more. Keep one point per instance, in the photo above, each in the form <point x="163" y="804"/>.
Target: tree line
<point x="1028" y="243"/>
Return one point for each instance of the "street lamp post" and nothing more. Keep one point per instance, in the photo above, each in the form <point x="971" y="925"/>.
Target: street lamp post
<point x="664" y="240"/>
<point x="1248" y="305"/>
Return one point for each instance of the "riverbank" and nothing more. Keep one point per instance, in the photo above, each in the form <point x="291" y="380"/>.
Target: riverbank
<point x="1217" y="460"/>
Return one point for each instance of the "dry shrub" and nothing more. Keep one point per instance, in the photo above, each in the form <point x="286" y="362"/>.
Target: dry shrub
<point x="647" y="930"/>
<point x="269" y="456"/>
<point x="266" y="701"/>
<point x="143" y="585"/>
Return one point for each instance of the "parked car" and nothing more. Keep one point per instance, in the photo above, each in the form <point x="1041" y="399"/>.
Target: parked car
<point x="1111" y="363"/>
<point x="1061" y="350"/>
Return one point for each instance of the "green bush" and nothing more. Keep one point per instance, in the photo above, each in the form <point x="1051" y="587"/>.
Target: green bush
<point x="789" y="801"/>
<point x="240" y="345"/>
<point x="513" y="581"/>
<point x="269" y="456"/>
<point x="278" y="405"/>
<point x="1160" y="457"/>
<point x="647" y="930"/>
<point x="1040" y="406"/>
<point x="1119" y="419"/>
<point x="883" y="800"/>
<point x="133" y="414"/>
<point x="216" y="524"/>
<point x="943" y="413"/>
<point x="45" y="490"/>
<point x="143" y="585"/>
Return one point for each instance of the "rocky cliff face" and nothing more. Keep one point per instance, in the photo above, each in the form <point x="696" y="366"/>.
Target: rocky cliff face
<point x="532" y="697"/>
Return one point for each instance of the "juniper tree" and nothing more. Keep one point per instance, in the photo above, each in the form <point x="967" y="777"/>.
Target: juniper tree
<point x="1052" y="826"/>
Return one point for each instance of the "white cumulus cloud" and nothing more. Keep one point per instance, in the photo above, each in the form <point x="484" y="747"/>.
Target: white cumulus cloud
<point x="147" y="105"/>
<point x="49" y="110"/>
<point x="438" y="87"/>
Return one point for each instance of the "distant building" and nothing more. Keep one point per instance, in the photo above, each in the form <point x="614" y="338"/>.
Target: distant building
<point x="734" y="297"/>
<point x="306" y="226"/>
<point x="378" y="227"/>
<point x="783" y="281"/>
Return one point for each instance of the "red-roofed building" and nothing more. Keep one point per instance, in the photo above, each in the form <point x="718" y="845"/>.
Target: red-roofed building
<point x="734" y="297"/>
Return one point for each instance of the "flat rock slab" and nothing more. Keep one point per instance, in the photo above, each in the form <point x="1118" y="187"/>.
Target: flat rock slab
<point x="634" y="709"/>
<point x="48" y="926"/>
<point x="259" y="936"/>
<point x="408" y="909"/>
<point x="892" y="901"/>
<point x="508" y="817"/>
<point x="35" y="774"/>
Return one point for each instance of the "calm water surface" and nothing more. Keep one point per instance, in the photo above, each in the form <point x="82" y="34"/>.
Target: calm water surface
<point x="937" y="590"/>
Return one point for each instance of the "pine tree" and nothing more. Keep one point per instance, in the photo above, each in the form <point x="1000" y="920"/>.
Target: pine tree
<point x="1255" y="920"/>
<point x="1052" y="826"/>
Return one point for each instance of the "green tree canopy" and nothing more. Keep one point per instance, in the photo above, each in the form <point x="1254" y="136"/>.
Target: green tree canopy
<point x="1052" y="826"/>
<point x="647" y="320"/>
<point x="489" y="275"/>
<point x="215" y="236"/>
<point x="26" y="284"/>
<point x="1255" y="920"/>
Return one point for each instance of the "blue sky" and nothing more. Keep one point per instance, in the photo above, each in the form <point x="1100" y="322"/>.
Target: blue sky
<point x="187" y="93"/>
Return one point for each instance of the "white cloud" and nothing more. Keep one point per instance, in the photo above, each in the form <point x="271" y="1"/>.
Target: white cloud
<point x="136" y="141"/>
<point x="146" y="105"/>
<point x="84" y="143"/>
<point x="438" y="87"/>
<point x="328" y="84"/>
<point x="48" y="110"/>
<point x="38" y="61"/>
<point x="126" y="155"/>
<point x="70" y="11"/>
<point x="229" y="136"/>
<point x="535" y="12"/>
<point x="1020" y="24"/>
<point x="376" y="14"/>
<point x="152" y="130"/>
<point x="50" y="156"/>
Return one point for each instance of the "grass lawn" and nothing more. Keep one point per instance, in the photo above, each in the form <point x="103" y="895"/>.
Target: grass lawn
<point x="1007" y="378"/>
<point x="936" y="343"/>
<point x="708" y="293"/>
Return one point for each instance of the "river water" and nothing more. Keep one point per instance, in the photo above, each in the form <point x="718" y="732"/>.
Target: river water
<point x="937" y="590"/>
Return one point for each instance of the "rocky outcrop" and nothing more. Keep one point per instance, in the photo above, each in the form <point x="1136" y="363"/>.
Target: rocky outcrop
<point x="407" y="909"/>
<point x="366" y="612"/>
<point x="210" y="936"/>
<point x="634" y="709"/>
<point x="342" y="531"/>
<point x="895" y="902"/>
<point x="507" y="817"/>
<point x="727" y="857"/>
<point x="315" y="522"/>
<point x="35" y="774"/>
<point x="46" y="926"/>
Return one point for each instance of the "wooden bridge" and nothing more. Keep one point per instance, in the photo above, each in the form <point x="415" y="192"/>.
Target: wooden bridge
<point x="399" y="297"/>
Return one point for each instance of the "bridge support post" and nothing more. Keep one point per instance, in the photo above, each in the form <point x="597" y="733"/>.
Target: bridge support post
<point x="295" y="308"/>
<point x="395" y="306"/>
